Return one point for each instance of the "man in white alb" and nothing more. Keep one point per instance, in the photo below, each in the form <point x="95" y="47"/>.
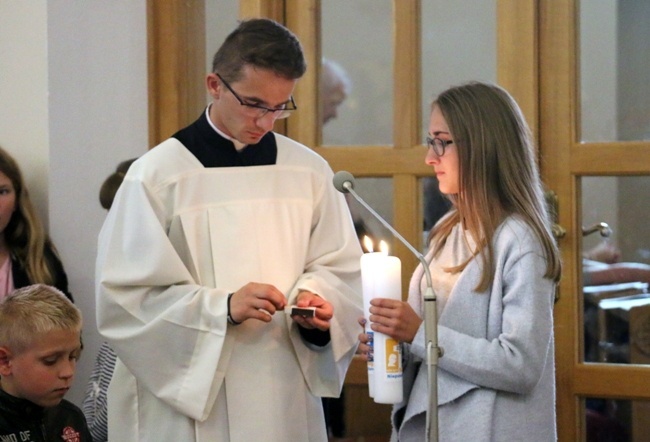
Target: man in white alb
<point x="212" y="236"/>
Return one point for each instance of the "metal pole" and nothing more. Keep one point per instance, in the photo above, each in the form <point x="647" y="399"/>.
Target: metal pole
<point x="430" y="324"/>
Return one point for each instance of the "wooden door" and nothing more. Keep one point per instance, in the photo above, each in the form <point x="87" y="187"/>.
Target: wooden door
<point x="412" y="29"/>
<point x="591" y="63"/>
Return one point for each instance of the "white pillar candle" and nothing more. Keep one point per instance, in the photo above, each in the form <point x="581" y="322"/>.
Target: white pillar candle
<point x="368" y="266"/>
<point x="381" y="277"/>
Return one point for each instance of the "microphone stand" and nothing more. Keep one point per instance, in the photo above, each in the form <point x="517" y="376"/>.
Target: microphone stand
<point x="433" y="352"/>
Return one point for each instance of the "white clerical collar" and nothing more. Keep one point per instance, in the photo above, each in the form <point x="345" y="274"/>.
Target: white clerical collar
<point x="238" y="144"/>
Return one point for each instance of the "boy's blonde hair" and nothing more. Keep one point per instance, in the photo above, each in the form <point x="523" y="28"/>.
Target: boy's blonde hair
<point x="32" y="311"/>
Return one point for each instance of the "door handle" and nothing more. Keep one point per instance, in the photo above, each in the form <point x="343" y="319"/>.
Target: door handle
<point x="603" y="228"/>
<point x="558" y="231"/>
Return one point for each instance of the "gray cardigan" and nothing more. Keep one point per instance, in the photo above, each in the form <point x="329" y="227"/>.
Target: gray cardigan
<point x="496" y="378"/>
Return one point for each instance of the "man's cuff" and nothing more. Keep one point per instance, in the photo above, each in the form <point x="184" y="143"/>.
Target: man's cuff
<point x="315" y="336"/>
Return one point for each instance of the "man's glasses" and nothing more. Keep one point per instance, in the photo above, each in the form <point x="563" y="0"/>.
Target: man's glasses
<point x="438" y="145"/>
<point x="258" y="111"/>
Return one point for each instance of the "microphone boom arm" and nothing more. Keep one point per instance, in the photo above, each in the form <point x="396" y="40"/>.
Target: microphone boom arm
<point x="350" y="189"/>
<point x="433" y="352"/>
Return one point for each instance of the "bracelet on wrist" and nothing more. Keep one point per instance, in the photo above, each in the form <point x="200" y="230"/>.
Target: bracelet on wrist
<point x="230" y="319"/>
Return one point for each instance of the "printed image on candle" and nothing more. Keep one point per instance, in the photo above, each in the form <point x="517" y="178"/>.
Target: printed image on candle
<point x="371" y="349"/>
<point x="393" y="359"/>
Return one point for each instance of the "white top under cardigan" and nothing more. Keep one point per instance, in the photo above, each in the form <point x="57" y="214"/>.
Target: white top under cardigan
<point x="496" y="378"/>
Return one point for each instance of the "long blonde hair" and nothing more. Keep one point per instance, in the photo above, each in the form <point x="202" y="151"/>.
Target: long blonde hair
<point x="24" y="234"/>
<point x="498" y="173"/>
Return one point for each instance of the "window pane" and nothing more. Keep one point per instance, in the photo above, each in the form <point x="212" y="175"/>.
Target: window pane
<point x="459" y="44"/>
<point x="220" y="20"/>
<point x="614" y="70"/>
<point x="377" y="192"/>
<point x="616" y="268"/>
<point x="357" y="36"/>
<point x="617" y="420"/>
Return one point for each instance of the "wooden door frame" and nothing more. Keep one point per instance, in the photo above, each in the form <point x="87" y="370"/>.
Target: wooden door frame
<point x="536" y="49"/>
<point x="563" y="151"/>
<point x="176" y="32"/>
<point x="557" y="40"/>
<point x="176" y="52"/>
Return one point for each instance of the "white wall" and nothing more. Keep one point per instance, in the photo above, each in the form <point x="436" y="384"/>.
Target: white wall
<point x="23" y="93"/>
<point x="73" y="88"/>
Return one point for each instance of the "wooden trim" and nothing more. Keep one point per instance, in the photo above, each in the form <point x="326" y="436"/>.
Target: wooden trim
<point x="365" y="419"/>
<point x="599" y="380"/>
<point x="406" y="161"/>
<point x="303" y="18"/>
<point x="557" y="119"/>
<point x="518" y="55"/>
<point x="176" y="65"/>
<point x="382" y="161"/>
<point x="358" y="372"/>
<point x="153" y="66"/>
<point x="407" y="73"/>
<point x="613" y="158"/>
<point x="406" y="204"/>
<point x="273" y="9"/>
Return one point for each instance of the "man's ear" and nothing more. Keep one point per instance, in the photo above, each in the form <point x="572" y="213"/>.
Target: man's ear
<point x="213" y="84"/>
<point x="5" y="361"/>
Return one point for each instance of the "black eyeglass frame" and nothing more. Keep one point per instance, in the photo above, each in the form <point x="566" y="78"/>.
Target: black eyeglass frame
<point x="438" y="145"/>
<point x="263" y="110"/>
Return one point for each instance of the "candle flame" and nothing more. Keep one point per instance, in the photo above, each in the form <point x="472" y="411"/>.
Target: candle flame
<point x="383" y="247"/>
<point x="367" y="243"/>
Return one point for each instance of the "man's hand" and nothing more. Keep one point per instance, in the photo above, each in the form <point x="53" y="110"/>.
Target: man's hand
<point x="256" y="301"/>
<point x="324" y="311"/>
<point x="364" y="340"/>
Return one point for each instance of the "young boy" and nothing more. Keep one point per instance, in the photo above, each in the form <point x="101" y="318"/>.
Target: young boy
<point x="40" y="342"/>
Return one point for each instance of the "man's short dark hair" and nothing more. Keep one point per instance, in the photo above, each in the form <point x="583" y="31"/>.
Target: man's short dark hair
<point x="262" y="43"/>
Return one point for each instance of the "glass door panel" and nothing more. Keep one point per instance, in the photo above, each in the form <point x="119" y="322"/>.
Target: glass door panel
<point x="614" y="70"/>
<point x="220" y="20"/>
<point x="377" y="192"/>
<point x="357" y="39"/>
<point x="459" y="44"/>
<point x="616" y="269"/>
<point x="612" y="419"/>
